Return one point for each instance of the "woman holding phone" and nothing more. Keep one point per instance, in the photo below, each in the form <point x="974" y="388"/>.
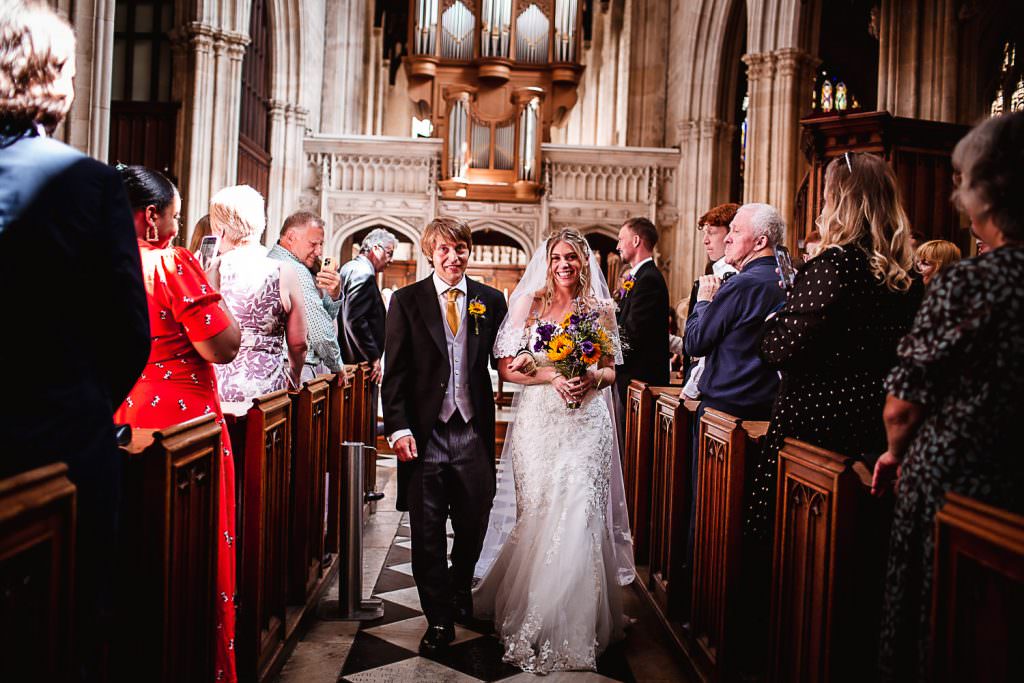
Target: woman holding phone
<point x="191" y="331"/>
<point x="264" y="296"/>
<point x="834" y="340"/>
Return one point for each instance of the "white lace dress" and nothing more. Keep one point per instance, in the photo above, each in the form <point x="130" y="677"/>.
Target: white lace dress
<point x="553" y="590"/>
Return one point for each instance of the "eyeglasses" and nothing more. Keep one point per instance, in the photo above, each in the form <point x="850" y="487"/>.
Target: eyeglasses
<point x="389" y="254"/>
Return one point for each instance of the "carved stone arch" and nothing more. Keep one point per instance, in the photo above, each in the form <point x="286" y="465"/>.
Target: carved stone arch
<point x="517" y="233"/>
<point x="337" y="234"/>
<point x="606" y="229"/>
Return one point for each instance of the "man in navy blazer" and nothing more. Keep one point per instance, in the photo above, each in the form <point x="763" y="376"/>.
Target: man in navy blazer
<point x="74" y="306"/>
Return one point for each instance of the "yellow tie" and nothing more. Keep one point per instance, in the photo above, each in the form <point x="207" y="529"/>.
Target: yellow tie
<point x="452" y="312"/>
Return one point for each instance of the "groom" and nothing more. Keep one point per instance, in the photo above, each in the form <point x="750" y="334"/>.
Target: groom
<point x="439" y="418"/>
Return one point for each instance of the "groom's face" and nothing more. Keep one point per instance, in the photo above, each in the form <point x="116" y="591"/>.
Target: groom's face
<point x="450" y="260"/>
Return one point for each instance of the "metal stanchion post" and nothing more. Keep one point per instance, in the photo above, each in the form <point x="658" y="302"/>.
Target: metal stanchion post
<point x="351" y="605"/>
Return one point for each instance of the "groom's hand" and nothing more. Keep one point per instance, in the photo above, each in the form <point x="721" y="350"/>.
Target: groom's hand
<point x="405" y="449"/>
<point x="523" y="363"/>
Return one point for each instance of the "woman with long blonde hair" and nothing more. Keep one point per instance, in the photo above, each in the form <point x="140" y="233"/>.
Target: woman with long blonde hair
<point x="561" y="474"/>
<point x="835" y="337"/>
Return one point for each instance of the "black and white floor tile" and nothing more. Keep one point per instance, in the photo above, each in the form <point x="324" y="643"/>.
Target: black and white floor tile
<point x="385" y="650"/>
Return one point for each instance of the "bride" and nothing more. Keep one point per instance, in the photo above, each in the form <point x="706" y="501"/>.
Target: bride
<point x="558" y="547"/>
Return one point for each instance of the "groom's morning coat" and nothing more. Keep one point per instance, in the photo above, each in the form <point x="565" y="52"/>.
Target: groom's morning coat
<point x="416" y="368"/>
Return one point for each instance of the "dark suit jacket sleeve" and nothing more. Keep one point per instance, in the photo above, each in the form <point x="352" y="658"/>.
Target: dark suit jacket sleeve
<point x="395" y="387"/>
<point x="711" y="321"/>
<point x="500" y="311"/>
<point x="646" y="308"/>
<point x="360" y="306"/>
<point x="125" y="308"/>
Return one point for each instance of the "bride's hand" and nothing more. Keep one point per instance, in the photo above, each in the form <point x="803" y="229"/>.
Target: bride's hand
<point x="562" y="386"/>
<point x="579" y="386"/>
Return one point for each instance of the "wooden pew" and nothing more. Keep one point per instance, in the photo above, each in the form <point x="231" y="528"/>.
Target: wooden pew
<point x="716" y="602"/>
<point x="828" y="564"/>
<point x="977" y="593"/>
<point x="262" y="441"/>
<point x="339" y="420"/>
<point x="168" y="541"/>
<point x="364" y="429"/>
<point x="307" y="512"/>
<point x="37" y="548"/>
<point x="670" y="505"/>
<point x="636" y="461"/>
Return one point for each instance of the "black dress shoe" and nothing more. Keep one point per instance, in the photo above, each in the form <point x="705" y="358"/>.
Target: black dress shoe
<point x="463" y="608"/>
<point x="436" y="640"/>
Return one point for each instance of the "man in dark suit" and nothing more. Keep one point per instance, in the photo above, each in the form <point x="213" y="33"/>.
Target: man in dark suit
<point x="439" y="417"/>
<point x="78" y="327"/>
<point x="362" y="309"/>
<point x="643" y="313"/>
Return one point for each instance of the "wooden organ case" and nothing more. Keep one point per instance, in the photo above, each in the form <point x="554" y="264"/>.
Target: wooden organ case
<point x="493" y="76"/>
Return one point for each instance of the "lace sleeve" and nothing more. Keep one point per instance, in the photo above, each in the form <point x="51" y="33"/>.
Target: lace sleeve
<point x="606" y="309"/>
<point x="514" y="333"/>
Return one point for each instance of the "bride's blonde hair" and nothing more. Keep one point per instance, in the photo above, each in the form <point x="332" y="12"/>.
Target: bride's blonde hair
<point x="862" y="209"/>
<point x="574" y="239"/>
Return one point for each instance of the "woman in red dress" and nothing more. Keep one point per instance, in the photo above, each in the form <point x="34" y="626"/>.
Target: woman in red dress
<point x="191" y="329"/>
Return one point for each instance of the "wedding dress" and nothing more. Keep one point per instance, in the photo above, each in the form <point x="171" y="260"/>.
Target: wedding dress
<point x="558" y="546"/>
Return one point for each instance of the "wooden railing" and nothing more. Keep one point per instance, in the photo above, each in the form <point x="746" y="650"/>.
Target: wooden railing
<point x="37" y="541"/>
<point x="977" y="593"/>
<point x="829" y="558"/>
<point x="168" y="553"/>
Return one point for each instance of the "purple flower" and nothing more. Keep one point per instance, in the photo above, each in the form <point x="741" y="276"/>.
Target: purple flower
<point x="587" y="348"/>
<point x="538" y="345"/>
<point x="545" y="331"/>
<point x="574" y="319"/>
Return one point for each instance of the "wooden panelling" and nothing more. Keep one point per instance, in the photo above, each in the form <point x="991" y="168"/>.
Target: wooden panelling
<point x="977" y="593"/>
<point x="670" y="504"/>
<point x="309" y="480"/>
<point x="37" y="541"/>
<point x="717" y="541"/>
<point x="829" y="555"/>
<point x="339" y="408"/>
<point x="168" y="547"/>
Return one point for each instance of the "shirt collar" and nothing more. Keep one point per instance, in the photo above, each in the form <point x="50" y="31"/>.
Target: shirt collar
<point x="637" y="267"/>
<point x="278" y="249"/>
<point x="441" y="286"/>
<point x="366" y="262"/>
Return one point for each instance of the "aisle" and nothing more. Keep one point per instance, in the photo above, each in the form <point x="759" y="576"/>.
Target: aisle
<point x="385" y="650"/>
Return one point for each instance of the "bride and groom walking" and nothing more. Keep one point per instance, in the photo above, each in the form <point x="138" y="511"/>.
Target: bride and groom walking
<point x="547" y="534"/>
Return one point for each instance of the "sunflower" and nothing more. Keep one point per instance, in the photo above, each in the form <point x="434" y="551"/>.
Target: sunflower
<point x="477" y="308"/>
<point x="560" y="347"/>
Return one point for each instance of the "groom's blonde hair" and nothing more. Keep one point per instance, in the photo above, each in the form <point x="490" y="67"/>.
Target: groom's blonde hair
<point x="445" y="227"/>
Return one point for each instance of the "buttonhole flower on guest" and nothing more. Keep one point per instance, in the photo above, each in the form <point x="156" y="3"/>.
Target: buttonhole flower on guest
<point x="477" y="309"/>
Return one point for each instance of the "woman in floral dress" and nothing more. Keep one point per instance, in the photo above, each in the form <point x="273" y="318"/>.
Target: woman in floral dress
<point x="191" y="330"/>
<point x="954" y="408"/>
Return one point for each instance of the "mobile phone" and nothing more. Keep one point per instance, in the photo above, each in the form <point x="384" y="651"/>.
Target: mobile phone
<point x="787" y="273"/>
<point x="329" y="264"/>
<point x="208" y="250"/>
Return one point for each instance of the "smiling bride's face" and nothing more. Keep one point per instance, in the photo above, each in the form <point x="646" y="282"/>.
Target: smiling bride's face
<point x="565" y="265"/>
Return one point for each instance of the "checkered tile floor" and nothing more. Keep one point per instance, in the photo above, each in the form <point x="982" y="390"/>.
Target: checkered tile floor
<point x="386" y="649"/>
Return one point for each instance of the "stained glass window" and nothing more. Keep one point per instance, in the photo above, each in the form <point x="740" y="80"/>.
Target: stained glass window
<point x="1010" y="92"/>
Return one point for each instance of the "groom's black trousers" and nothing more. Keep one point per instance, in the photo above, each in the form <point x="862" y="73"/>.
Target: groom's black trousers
<point x="453" y="478"/>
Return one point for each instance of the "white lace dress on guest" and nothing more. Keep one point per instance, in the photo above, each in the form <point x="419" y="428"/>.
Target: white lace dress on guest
<point x="553" y="589"/>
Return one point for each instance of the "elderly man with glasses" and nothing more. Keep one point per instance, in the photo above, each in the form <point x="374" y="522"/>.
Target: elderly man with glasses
<point x="361" y="324"/>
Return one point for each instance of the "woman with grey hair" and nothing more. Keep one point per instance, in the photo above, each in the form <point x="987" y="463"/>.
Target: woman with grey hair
<point x="954" y="405"/>
<point x="264" y="297"/>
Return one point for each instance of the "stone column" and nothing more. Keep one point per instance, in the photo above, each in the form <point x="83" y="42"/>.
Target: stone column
<point x="918" y="59"/>
<point x="779" y="83"/>
<point x="794" y="73"/>
<point x="648" y="65"/>
<point x="194" y="61"/>
<point x="344" y="67"/>
<point x="87" y="126"/>
<point x="229" y="49"/>
<point x="278" y="168"/>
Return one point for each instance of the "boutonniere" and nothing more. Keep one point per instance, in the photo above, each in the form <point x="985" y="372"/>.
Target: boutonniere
<point x="627" y="286"/>
<point x="477" y="309"/>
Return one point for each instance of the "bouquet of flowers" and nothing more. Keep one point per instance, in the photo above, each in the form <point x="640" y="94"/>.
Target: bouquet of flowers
<point x="574" y="345"/>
